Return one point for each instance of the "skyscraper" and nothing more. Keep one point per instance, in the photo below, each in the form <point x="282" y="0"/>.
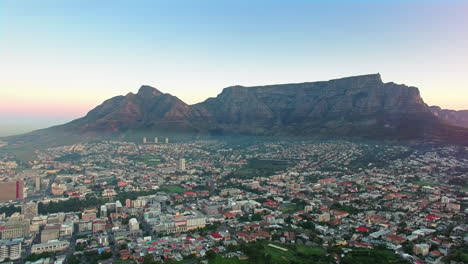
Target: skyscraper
<point x="155" y="140"/>
<point x="11" y="191"/>
<point x="166" y="140"/>
<point x="144" y="140"/>
<point x="181" y="164"/>
<point x="37" y="183"/>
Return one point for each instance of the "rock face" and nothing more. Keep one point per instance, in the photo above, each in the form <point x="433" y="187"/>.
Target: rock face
<point x="359" y="106"/>
<point x="456" y="118"/>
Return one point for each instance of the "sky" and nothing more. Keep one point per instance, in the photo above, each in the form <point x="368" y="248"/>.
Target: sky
<point x="59" y="59"/>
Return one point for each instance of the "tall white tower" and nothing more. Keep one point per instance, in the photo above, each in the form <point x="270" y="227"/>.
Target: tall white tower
<point x="166" y="140"/>
<point x="155" y="140"/>
<point x="144" y="140"/>
<point x="181" y="165"/>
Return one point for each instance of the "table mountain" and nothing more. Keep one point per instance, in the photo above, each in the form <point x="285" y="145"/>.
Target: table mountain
<point x="359" y="106"/>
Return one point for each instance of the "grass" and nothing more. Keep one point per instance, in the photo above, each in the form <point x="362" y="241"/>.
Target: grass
<point x="151" y="159"/>
<point x="221" y="260"/>
<point x="423" y="183"/>
<point x="290" y="208"/>
<point x="372" y="256"/>
<point x="261" y="168"/>
<point x="296" y="254"/>
<point x="172" y="189"/>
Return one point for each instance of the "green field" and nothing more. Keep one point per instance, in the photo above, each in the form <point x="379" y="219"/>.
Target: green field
<point x="372" y="256"/>
<point x="261" y="168"/>
<point x="151" y="159"/>
<point x="172" y="189"/>
<point x="221" y="260"/>
<point x="260" y="252"/>
<point x="423" y="183"/>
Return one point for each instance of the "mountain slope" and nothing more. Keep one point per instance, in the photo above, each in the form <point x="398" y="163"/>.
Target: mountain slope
<point x="359" y="106"/>
<point x="453" y="117"/>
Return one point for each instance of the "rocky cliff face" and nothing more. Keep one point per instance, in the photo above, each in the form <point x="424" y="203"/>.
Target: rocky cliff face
<point x="456" y="118"/>
<point x="359" y="106"/>
<point x="338" y="107"/>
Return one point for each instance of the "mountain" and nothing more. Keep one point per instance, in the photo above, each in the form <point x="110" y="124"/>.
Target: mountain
<point x="358" y="106"/>
<point x="453" y="117"/>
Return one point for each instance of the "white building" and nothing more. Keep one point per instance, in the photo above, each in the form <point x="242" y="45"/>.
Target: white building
<point x="133" y="225"/>
<point x="181" y="165"/>
<point x="10" y="249"/>
<point x="51" y="246"/>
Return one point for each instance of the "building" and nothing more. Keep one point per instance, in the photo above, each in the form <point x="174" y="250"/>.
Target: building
<point x="50" y="232"/>
<point x="155" y="140"/>
<point x="325" y="217"/>
<point x="51" y="246"/>
<point x="421" y="249"/>
<point x="29" y="210"/>
<point x="103" y="211"/>
<point x="10" y="249"/>
<point x="166" y="140"/>
<point x="144" y="140"/>
<point x="15" y="227"/>
<point x="133" y="225"/>
<point x="181" y="165"/>
<point x="37" y="181"/>
<point x="66" y="229"/>
<point x="178" y="223"/>
<point x="10" y="191"/>
<point x="87" y="216"/>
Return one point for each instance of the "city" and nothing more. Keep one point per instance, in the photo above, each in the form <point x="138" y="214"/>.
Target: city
<point x="237" y="202"/>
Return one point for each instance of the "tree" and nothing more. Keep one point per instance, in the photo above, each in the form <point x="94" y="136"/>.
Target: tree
<point x="149" y="259"/>
<point x="210" y="254"/>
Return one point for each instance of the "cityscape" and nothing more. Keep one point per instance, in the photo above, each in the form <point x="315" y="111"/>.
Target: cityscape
<point x="209" y="200"/>
<point x="234" y="132"/>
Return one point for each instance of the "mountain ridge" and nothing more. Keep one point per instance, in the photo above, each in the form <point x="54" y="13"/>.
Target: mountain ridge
<point x="357" y="106"/>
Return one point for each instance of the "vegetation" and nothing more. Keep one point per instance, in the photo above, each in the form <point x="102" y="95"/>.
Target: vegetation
<point x="70" y="205"/>
<point x="9" y="210"/>
<point x="34" y="256"/>
<point x="260" y="252"/>
<point x="372" y="256"/>
<point x="172" y="189"/>
<point x="260" y="168"/>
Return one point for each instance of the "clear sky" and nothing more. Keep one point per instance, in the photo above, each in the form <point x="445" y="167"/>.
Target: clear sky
<point x="59" y="59"/>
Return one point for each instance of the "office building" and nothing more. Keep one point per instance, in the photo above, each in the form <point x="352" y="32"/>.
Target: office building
<point x="10" y="191"/>
<point x="14" y="228"/>
<point x="51" y="246"/>
<point x="181" y="165"/>
<point x="50" y="232"/>
<point x="10" y="249"/>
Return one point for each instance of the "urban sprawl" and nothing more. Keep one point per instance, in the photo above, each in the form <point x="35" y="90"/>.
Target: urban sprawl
<point x="279" y="201"/>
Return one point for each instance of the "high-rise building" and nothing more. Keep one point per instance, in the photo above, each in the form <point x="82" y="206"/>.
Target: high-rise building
<point x="15" y="227"/>
<point x="181" y="165"/>
<point x="11" y="191"/>
<point x="155" y="140"/>
<point x="10" y="249"/>
<point x="29" y="210"/>
<point x="166" y="140"/>
<point x="144" y="140"/>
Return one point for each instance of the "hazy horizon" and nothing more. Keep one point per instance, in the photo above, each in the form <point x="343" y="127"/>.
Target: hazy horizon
<point x="61" y="59"/>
